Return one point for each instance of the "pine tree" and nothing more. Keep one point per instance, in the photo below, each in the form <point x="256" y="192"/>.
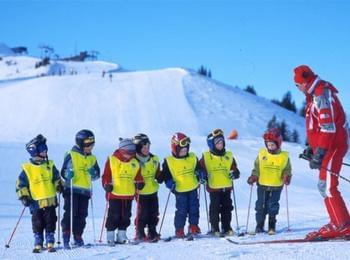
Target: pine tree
<point x="302" y="109"/>
<point x="295" y="136"/>
<point x="284" y="131"/>
<point x="273" y="123"/>
<point x="288" y="103"/>
<point x="250" y="89"/>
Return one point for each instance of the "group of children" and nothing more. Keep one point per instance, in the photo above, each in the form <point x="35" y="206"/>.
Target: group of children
<point x="132" y="171"/>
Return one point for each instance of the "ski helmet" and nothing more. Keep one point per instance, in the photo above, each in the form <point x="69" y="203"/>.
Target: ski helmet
<point x="127" y="145"/>
<point x="84" y="138"/>
<point x="214" y="137"/>
<point x="273" y="135"/>
<point x="36" y="146"/>
<point x="304" y="75"/>
<point x="140" y="140"/>
<point x="178" y="141"/>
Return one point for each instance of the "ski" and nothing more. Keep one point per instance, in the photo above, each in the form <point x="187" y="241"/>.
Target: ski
<point x="285" y="241"/>
<point x="174" y="238"/>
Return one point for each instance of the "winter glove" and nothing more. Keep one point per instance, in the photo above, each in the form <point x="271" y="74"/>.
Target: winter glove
<point x="201" y="176"/>
<point x="25" y="201"/>
<point x="286" y="179"/>
<point x="252" y="179"/>
<point x="307" y="153"/>
<point x="317" y="158"/>
<point x="69" y="174"/>
<point x="234" y="174"/>
<point x="59" y="187"/>
<point x="170" y="184"/>
<point x="139" y="185"/>
<point x="108" y="187"/>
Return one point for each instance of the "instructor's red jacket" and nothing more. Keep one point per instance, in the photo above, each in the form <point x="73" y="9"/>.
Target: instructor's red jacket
<point x="326" y="124"/>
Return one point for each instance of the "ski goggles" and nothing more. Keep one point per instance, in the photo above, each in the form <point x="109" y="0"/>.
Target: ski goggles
<point x="183" y="142"/>
<point x="215" y="133"/>
<point x="90" y="141"/>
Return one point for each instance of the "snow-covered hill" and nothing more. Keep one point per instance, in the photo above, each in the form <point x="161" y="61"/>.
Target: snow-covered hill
<point x="158" y="103"/>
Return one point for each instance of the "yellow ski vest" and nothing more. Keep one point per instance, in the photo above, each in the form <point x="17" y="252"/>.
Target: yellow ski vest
<point x="148" y="172"/>
<point x="271" y="167"/>
<point x="123" y="176"/>
<point x="183" y="172"/>
<point x="218" y="168"/>
<point x="81" y="164"/>
<point x="40" y="180"/>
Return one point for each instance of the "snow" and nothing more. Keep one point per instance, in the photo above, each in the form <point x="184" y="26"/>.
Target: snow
<point x="157" y="103"/>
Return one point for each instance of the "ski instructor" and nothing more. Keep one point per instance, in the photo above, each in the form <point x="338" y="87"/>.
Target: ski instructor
<point x="327" y="134"/>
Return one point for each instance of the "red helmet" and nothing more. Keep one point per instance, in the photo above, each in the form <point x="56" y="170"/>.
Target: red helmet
<point x="303" y="74"/>
<point x="178" y="141"/>
<point x="273" y="135"/>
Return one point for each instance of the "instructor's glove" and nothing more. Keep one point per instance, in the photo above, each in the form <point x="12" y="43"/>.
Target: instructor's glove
<point x="25" y="201"/>
<point x="308" y="153"/>
<point x="317" y="158"/>
<point x="234" y="174"/>
<point x="108" y="187"/>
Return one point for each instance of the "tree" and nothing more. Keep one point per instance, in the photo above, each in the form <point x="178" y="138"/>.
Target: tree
<point x="272" y="123"/>
<point x="302" y="109"/>
<point x="284" y="131"/>
<point x="204" y="71"/>
<point x="288" y="103"/>
<point x="295" y="136"/>
<point x="250" y="89"/>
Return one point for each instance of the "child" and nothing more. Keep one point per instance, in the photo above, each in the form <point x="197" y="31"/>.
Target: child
<point x="147" y="200"/>
<point x="36" y="187"/>
<point x="179" y="172"/>
<point x="220" y="169"/>
<point x="79" y="169"/>
<point x="272" y="169"/>
<point x="121" y="178"/>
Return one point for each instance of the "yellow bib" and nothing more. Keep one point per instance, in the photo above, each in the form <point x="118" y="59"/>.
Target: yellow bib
<point x="218" y="168"/>
<point x="148" y="172"/>
<point x="183" y="172"/>
<point x="123" y="176"/>
<point x="40" y="180"/>
<point x="81" y="164"/>
<point x="271" y="167"/>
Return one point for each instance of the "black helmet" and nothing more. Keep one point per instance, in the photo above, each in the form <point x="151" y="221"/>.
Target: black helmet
<point x="37" y="145"/>
<point x="84" y="138"/>
<point x="140" y="140"/>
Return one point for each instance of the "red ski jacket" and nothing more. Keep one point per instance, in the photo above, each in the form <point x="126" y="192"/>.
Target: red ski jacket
<point x="326" y="125"/>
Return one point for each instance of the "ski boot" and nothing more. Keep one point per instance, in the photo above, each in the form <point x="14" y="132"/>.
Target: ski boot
<point x="227" y="230"/>
<point x="66" y="239"/>
<point x="179" y="233"/>
<point x="140" y="235"/>
<point x="326" y="232"/>
<point x="78" y="241"/>
<point x="121" y="237"/>
<point x="38" y="242"/>
<point x="272" y="225"/>
<point x="50" y="241"/>
<point x="111" y="238"/>
<point x="153" y="236"/>
<point x="194" y="229"/>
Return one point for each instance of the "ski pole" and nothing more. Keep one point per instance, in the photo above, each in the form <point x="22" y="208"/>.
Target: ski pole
<point x="206" y="207"/>
<point x="59" y="219"/>
<point x="14" y="230"/>
<point x="324" y="168"/>
<point x="92" y="214"/>
<point x="250" y="200"/>
<point x="138" y="212"/>
<point x="235" y="204"/>
<point x="287" y="208"/>
<point x="71" y="207"/>
<point x="104" y="221"/>
<point x="346" y="164"/>
<point x="166" y="206"/>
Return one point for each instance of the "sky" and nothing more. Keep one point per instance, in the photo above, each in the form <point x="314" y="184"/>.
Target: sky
<point x="242" y="42"/>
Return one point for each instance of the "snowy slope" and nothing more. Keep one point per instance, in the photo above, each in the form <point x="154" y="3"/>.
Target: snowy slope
<point x="157" y="103"/>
